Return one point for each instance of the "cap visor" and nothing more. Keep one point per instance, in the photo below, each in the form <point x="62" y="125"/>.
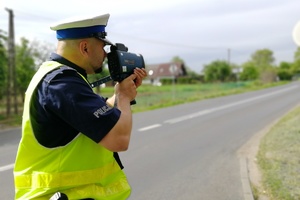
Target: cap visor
<point x="106" y="41"/>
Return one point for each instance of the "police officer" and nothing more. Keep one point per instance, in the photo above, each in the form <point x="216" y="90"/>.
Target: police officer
<point x="69" y="133"/>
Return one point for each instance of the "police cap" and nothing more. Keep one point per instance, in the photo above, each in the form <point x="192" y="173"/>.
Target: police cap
<point x="82" y="28"/>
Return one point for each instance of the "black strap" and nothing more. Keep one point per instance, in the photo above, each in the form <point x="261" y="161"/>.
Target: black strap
<point x="99" y="82"/>
<point x="116" y="156"/>
<point x="59" y="196"/>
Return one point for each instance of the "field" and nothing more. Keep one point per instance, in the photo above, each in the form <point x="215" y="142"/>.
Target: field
<point x="154" y="97"/>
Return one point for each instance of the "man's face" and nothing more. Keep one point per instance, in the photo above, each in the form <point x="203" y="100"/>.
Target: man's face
<point x="97" y="55"/>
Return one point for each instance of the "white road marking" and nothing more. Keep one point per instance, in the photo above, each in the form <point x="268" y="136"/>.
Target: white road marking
<point x="6" y="167"/>
<point x="149" y="127"/>
<point x="207" y="111"/>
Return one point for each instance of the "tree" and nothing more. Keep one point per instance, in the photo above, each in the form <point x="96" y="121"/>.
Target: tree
<point x="263" y="58"/>
<point x="217" y="71"/>
<point x="29" y="56"/>
<point x="3" y="63"/>
<point x="177" y="59"/>
<point x="297" y="54"/>
<point x="284" y="71"/>
<point x="250" y="72"/>
<point x="296" y="65"/>
<point x="25" y="66"/>
<point x="40" y="51"/>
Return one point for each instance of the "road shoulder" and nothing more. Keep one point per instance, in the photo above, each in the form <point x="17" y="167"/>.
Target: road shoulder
<point x="250" y="173"/>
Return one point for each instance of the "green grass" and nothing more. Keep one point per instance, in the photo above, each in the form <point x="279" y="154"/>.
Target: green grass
<point x="154" y="97"/>
<point x="279" y="158"/>
<point x="12" y="121"/>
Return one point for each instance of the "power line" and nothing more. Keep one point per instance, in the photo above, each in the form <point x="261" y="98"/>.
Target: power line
<point x="36" y="17"/>
<point x="164" y="43"/>
<point x="150" y="41"/>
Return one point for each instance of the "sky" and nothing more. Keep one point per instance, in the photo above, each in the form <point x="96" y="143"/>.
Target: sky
<point x="197" y="31"/>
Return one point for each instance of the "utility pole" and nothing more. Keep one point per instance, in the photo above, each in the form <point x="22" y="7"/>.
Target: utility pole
<point x="11" y="81"/>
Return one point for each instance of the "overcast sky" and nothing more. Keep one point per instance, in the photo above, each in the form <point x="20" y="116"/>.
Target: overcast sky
<point x="198" y="31"/>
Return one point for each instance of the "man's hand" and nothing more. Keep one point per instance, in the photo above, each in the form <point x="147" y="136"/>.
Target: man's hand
<point x="126" y="89"/>
<point x="140" y="75"/>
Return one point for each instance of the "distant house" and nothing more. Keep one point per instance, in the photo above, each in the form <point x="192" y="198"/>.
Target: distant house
<point x="165" y="71"/>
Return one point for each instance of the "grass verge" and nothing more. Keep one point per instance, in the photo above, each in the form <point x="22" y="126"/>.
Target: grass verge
<point x="279" y="160"/>
<point x="153" y="97"/>
<point x="12" y="121"/>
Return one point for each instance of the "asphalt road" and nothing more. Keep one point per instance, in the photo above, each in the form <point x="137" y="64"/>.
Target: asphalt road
<point x="187" y="151"/>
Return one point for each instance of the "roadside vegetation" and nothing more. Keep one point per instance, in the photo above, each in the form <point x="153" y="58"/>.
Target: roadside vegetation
<point x="279" y="160"/>
<point x="151" y="97"/>
<point x="155" y="97"/>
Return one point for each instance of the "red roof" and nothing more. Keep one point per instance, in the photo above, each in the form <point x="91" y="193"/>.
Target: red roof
<point x="166" y="70"/>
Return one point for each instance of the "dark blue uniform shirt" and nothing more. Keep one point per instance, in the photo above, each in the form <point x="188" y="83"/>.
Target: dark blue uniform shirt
<point x="64" y="105"/>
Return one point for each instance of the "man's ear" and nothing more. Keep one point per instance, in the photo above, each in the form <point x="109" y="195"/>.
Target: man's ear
<point x="83" y="46"/>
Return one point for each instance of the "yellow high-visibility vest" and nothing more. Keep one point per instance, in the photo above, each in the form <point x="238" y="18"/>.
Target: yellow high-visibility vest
<point x="81" y="169"/>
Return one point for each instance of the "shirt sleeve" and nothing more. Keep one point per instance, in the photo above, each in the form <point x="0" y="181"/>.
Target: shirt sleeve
<point x="71" y="98"/>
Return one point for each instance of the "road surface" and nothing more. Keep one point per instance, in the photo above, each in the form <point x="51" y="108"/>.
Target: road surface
<point x="187" y="151"/>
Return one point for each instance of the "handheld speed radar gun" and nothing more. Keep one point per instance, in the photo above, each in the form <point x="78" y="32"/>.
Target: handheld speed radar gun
<point x="121" y="64"/>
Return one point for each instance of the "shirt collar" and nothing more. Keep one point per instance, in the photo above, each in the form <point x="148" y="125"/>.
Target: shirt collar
<point x="62" y="60"/>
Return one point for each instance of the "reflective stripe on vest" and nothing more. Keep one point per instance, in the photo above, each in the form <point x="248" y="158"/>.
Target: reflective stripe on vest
<point x="41" y="179"/>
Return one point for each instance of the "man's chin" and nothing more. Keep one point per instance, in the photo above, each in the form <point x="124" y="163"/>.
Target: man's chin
<point x="98" y="71"/>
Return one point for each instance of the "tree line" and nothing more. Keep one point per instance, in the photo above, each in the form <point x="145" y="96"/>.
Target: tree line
<point x="261" y="66"/>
